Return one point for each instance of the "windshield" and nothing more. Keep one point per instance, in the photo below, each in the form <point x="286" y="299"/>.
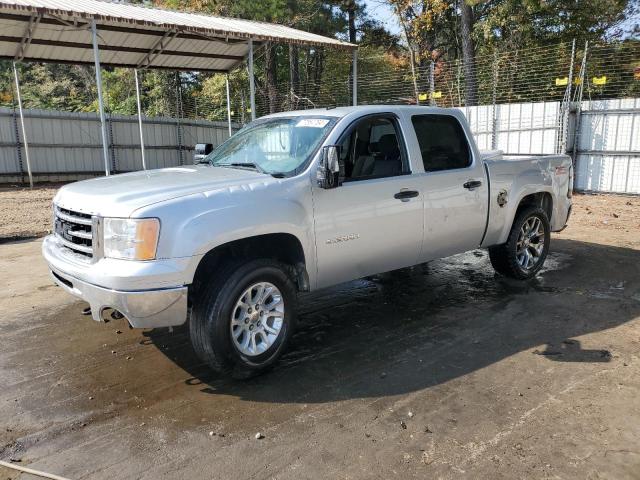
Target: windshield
<point x="274" y="146"/>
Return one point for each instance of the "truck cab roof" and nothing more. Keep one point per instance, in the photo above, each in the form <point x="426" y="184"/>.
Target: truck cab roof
<point x="339" y="112"/>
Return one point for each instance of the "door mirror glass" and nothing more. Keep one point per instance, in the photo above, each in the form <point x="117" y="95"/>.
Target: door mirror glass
<point x="330" y="172"/>
<point x="201" y="150"/>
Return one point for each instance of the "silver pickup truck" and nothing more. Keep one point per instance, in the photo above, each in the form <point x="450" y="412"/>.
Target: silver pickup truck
<point x="295" y="202"/>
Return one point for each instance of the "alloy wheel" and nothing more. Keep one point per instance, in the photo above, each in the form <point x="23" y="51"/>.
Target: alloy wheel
<point x="257" y="318"/>
<point x="530" y="244"/>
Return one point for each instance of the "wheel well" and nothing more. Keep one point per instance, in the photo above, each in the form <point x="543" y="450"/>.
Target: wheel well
<point x="541" y="199"/>
<point x="283" y="247"/>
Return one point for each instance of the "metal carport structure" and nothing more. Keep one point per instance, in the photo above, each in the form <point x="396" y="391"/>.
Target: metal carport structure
<point x="102" y="33"/>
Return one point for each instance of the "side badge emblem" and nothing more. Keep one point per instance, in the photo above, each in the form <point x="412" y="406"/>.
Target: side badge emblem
<point x="343" y="238"/>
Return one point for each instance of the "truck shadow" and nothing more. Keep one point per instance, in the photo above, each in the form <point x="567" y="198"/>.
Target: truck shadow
<point x="415" y="328"/>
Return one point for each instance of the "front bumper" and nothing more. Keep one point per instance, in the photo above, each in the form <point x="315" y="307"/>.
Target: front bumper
<point x="146" y="294"/>
<point x="144" y="309"/>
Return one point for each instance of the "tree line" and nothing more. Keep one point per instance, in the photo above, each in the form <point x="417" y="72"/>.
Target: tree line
<point x="296" y="76"/>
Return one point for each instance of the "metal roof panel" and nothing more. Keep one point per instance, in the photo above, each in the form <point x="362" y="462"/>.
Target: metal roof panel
<point x="142" y="18"/>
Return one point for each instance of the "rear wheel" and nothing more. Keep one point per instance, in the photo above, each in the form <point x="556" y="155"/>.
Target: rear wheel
<point x="525" y="251"/>
<point x="243" y="317"/>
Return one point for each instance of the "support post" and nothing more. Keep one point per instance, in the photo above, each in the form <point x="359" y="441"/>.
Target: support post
<point x="24" y="131"/>
<point x="144" y="163"/>
<point x="228" y="104"/>
<point x="413" y="73"/>
<point x="494" y="107"/>
<point x="566" y="106"/>
<point x="432" y="84"/>
<point x="179" y="116"/>
<point x="579" y="92"/>
<point x="16" y="132"/>
<point x="355" y="77"/>
<point x="103" y="120"/>
<point x="252" y="85"/>
<point x="573" y="59"/>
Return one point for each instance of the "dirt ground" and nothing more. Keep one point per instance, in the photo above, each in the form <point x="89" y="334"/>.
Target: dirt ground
<point x="25" y="212"/>
<point x="440" y="371"/>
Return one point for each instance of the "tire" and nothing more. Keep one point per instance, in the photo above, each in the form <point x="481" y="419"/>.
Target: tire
<point x="234" y="292"/>
<point x="510" y="259"/>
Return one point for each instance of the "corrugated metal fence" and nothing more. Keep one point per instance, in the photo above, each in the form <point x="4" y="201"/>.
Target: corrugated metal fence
<point x="67" y="145"/>
<point x="608" y="146"/>
<point x="516" y="128"/>
<point x="607" y="143"/>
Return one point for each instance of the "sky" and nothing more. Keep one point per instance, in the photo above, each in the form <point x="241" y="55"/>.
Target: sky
<point x="380" y="10"/>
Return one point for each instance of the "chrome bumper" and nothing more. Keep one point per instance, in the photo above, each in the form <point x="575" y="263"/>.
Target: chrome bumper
<point x="144" y="309"/>
<point x="148" y="294"/>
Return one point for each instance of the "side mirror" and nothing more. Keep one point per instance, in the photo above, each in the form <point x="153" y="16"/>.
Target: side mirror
<point x="201" y="150"/>
<point x="330" y="172"/>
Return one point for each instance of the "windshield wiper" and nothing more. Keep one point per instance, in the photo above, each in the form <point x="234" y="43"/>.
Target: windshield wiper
<point x="251" y="165"/>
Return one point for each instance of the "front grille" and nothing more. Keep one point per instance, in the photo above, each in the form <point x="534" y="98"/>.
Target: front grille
<point x="74" y="230"/>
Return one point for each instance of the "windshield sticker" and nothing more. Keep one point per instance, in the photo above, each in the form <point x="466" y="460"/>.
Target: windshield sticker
<point x="312" y="122"/>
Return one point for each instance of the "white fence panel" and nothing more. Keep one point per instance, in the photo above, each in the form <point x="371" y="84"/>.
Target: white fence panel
<point x="68" y="145"/>
<point x="608" y="156"/>
<point x="518" y="128"/>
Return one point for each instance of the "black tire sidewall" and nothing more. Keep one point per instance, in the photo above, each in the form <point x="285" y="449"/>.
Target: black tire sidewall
<point x="218" y="316"/>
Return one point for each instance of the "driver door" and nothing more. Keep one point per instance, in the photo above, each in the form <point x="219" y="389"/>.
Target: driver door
<point x="374" y="222"/>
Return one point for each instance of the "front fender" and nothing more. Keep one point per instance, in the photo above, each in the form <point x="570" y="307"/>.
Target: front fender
<point x="195" y="225"/>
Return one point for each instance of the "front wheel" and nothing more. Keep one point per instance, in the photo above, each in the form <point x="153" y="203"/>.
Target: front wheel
<point x="243" y="317"/>
<point x="525" y="251"/>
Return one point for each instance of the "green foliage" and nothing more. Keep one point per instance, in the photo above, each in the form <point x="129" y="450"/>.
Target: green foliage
<point x="318" y="76"/>
<point x="540" y="22"/>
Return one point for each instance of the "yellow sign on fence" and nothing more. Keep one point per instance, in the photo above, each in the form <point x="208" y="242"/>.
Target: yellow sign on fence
<point x="599" y="80"/>
<point x="561" y="82"/>
<point x="425" y="96"/>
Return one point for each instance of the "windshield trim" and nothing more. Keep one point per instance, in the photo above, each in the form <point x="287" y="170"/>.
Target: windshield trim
<point x="300" y="168"/>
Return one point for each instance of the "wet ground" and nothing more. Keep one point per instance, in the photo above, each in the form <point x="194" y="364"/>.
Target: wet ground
<point x="440" y="371"/>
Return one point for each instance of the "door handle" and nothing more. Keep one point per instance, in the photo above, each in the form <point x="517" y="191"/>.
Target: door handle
<point x="406" y="194"/>
<point x="471" y="184"/>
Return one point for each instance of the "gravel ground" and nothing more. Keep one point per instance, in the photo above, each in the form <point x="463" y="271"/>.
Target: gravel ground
<point x="26" y="213"/>
<point x="615" y="219"/>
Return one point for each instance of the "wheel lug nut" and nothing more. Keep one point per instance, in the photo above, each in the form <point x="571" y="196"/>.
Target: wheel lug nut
<point x="250" y="327"/>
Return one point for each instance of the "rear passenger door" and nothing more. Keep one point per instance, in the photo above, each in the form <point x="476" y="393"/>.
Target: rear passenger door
<point x="454" y="186"/>
<point x="373" y="222"/>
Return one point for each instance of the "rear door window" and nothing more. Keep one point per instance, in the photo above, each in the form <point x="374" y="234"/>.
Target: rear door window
<point x="442" y="141"/>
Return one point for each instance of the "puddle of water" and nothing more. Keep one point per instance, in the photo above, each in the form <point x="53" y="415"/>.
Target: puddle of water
<point x="555" y="261"/>
<point x="410" y="295"/>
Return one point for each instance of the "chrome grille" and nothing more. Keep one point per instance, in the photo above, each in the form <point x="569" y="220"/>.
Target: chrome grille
<point x="74" y="230"/>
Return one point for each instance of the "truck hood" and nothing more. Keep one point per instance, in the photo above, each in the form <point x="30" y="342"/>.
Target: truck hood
<point x="121" y="195"/>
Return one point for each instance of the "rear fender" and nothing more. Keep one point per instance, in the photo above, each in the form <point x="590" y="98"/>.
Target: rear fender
<point x="513" y="187"/>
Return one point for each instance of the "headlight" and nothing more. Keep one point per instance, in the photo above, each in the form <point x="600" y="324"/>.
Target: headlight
<point x="131" y="239"/>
